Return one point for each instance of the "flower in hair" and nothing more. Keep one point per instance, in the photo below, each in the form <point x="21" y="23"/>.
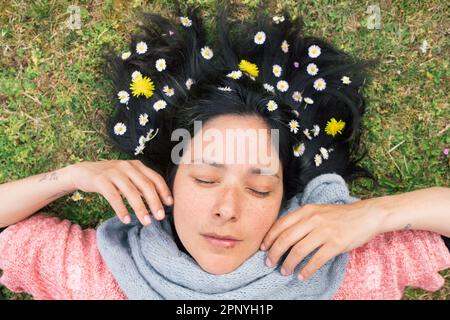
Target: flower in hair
<point x="126" y="55"/>
<point x="142" y="86"/>
<point x="315" y="130"/>
<point x="248" y="67"/>
<point x="276" y="69"/>
<point x="207" y="52"/>
<point x="136" y="75"/>
<point x="294" y="126"/>
<point x="269" y="87"/>
<point x="324" y="153"/>
<point x="189" y="83"/>
<point x="320" y="84"/>
<point x="160" y="64"/>
<point x="168" y="91"/>
<point x="185" y="21"/>
<point x="312" y="69"/>
<point x="346" y="80"/>
<point x="334" y="127"/>
<point x="235" y="74"/>
<point x="299" y="149"/>
<point x="278" y="19"/>
<point x="314" y="51"/>
<point x="296" y="64"/>
<point x="141" y="47"/>
<point x="297" y="96"/>
<point x="285" y="46"/>
<point x="307" y="134"/>
<point x="143" y="119"/>
<point x="123" y="96"/>
<point x="282" y="85"/>
<point x="160" y="104"/>
<point x="308" y="100"/>
<point x="225" y="89"/>
<point x="317" y="160"/>
<point x="260" y="37"/>
<point x="272" y="105"/>
<point x="120" y="128"/>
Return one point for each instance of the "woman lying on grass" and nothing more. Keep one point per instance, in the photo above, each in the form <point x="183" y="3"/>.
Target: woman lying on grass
<point x="276" y="223"/>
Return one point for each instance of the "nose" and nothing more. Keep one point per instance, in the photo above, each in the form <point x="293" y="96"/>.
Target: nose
<point x="228" y="206"/>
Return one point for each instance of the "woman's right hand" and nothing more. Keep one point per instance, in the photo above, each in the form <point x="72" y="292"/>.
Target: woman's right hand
<point x="131" y="178"/>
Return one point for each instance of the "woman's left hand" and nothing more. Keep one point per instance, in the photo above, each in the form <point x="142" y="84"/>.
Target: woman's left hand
<point x="335" y="228"/>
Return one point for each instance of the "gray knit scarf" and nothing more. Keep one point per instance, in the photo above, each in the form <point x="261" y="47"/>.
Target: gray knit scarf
<point x="147" y="263"/>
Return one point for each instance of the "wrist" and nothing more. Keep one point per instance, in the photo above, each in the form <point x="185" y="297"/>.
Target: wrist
<point x="68" y="174"/>
<point x="390" y="218"/>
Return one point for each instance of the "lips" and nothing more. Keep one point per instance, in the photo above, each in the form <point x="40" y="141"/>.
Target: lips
<point x="226" y="242"/>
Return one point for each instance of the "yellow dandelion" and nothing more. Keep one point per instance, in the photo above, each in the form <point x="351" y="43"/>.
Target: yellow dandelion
<point x="250" y="68"/>
<point x="142" y="86"/>
<point x="333" y="127"/>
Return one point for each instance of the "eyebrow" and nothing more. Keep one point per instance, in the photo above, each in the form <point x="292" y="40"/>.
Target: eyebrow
<point x="253" y="170"/>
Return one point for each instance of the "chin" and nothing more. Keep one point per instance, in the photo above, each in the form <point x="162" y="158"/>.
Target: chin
<point x="218" y="265"/>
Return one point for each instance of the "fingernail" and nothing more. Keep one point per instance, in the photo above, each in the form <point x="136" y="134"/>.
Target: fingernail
<point x="126" y="219"/>
<point x="283" y="271"/>
<point x="147" y="219"/>
<point x="263" y="247"/>
<point x="300" y="277"/>
<point x="169" y="199"/>
<point x="160" y="213"/>
<point x="269" y="263"/>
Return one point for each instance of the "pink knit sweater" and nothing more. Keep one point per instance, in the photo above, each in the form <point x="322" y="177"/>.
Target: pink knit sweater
<point x="55" y="259"/>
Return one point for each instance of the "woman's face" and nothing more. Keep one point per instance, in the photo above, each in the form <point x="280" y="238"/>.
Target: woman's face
<point x="233" y="191"/>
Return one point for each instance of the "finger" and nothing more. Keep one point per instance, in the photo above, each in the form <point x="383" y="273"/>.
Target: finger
<point x="284" y="223"/>
<point x="133" y="196"/>
<point x="160" y="184"/>
<point x="299" y="252"/>
<point x="112" y="195"/>
<point x="149" y="192"/>
<point x="322" y="256"/>
<point x="287" y="239"/>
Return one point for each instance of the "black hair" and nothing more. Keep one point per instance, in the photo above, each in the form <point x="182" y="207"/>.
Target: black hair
<point x="213" y="93"/>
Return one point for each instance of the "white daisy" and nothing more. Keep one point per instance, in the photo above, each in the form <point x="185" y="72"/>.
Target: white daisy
<point x="185" y="21"/>
<point x="269" y="87"/>
<point x="189" y="83"/>
<point x="276" y="69"/>
<point x="207" y="53"/>
<point x="141" y="47"/>
<point x="324" y="152"/>
<point x="312" y="69"/>
<point x="143" y="119"/>
<point x="295" y="112"/>
<point x="272" y="105"/>
<point x="160" y="104"/>
<point x="76" y="196"/>
<point x="168" y="91"/>
<point x="260" y="37"/>
<point x="123" y="96"/>
<point x="315" y="130"/>
<point x="126" y="55"/>
<point x="278" y="19"/>
<point x="224" y="88"/>
<point x="139" y="149"/>
<point x="285" y="46"/>
<point x="307" y="134"/>
<point x="160" y="64"/>
<point x="320" y="84"/>
<point x="308" y="100"/>
<point x="282" y="85"/>
<point x="294" y="126"/>
<point x="317" y="160"/>
<point x="299" y="150"/>
<point x="314" y="51"/>
<point x="136" y="75"/>
<point x="346" y="80"/>
<point x="235" y="74"/>
<point x="120" y="128"/>
<point x="297" y="96"/>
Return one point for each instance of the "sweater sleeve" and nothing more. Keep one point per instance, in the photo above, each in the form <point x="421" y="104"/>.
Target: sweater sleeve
<point x="51" y="258"/>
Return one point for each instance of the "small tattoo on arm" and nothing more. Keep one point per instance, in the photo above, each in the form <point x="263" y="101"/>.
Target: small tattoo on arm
<point x="53" y="176"/>
<point x="407" y="227"/>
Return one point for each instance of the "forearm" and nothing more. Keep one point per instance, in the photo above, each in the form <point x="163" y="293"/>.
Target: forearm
<point x="426" y="209"/>
<point x="20" y="199"/>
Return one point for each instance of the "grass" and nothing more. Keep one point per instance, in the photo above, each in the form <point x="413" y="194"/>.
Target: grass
<point x="53" y="98"/>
